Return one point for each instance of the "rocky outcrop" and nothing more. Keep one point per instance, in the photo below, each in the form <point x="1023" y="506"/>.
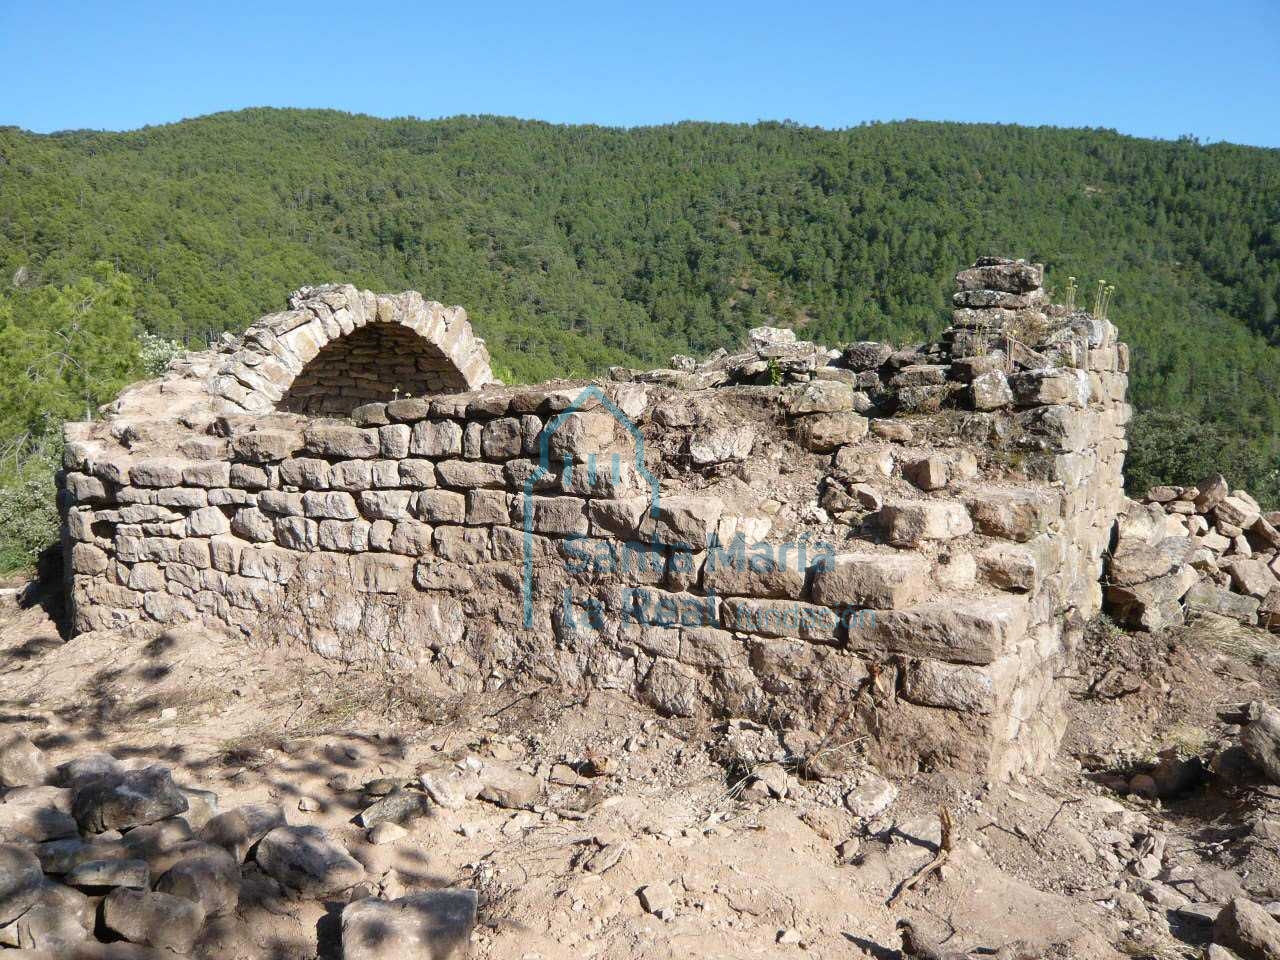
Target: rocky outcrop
<point x="902" y="542"/>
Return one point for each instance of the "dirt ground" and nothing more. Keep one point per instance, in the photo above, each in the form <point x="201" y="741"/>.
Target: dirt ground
<point x="1072" y="864"/>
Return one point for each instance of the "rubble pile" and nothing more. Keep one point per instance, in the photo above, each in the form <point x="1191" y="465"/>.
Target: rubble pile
<point x="1184" y="551"/>
<point x="99" y="849"/>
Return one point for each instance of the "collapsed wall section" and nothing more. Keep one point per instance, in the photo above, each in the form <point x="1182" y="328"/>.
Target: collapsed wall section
<point x="896" y="546"/>
<point x="1199" y="551"/>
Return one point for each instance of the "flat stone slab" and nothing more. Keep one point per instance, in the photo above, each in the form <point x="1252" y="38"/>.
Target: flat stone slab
<point x="436" y="924"/>
<point x="974" y="632"/>
<point x="134" y="874"/>
<point x="399" y="807"/>
<point x="153" y="919"/>
<point x="61" y="919"/>
<point x="131" y="799"/>
<point x="20" y="881"/>
<point x="36" y="814"/>
<point x="210" y="878"/>
<point x="306" y="860"/>
<point x="239" y="829"/>
<point x="22" y="763"/>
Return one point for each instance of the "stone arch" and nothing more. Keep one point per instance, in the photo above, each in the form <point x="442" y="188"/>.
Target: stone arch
<point x="338" y="347"/>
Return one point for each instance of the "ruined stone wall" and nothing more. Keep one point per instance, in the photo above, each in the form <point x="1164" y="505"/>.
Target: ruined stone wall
<point x="898" y="547"/>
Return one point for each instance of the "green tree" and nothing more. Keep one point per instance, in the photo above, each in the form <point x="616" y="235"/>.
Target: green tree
<point x="64" y="351"/>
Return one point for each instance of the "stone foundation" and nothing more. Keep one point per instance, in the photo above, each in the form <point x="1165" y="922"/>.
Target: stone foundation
<point x="899" y="547"/>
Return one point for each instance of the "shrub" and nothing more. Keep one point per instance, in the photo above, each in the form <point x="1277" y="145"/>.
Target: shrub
<point x="28" y="515"/>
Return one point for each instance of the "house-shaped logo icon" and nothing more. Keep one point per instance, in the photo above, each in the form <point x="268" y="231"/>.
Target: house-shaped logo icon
<point x="591" y="398"/>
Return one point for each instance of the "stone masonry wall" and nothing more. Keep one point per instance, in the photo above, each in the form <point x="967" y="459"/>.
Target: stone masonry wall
<point x="897" y="545"/>
<point x="357" y="369"/>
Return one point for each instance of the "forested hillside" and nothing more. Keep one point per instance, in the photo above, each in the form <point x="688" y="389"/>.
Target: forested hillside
<point x="577" y="247"/>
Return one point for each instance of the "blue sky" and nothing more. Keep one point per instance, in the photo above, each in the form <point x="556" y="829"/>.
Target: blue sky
<point x="1147" y="68"/>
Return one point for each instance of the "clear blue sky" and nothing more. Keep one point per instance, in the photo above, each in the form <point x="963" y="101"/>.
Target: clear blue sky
<point x="1146" y="68"/>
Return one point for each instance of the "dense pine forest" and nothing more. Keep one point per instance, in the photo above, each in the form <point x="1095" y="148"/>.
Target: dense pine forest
<point x="578" y="247"/>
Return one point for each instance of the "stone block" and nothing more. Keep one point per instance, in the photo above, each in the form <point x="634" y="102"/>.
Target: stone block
<point x="559" y="516"/>
<point x="157" y="472"/>
<point x="1009" y="567"/>
<point x="208" y="522"/>
<point x="88" y="560"/>
<point x="471" y="433"/>
<point x="867" y="355"/>
<point x="146" y="576"/>
<point x="346" y="536"/>
<point x="470" y="473"/>
<point x="949" y="686"/>
<point x="305" y="860"/>
<point x="253" y="524"/>
<point x="266" y="446"/>
<point x="207" y="473"/>
<point x="351" y="476"/>
<point x="245" y="476"/>
<point x="825" y="432"/>
<point x="380" y="572"/>
<point x="440" y="506"/>
<point x="305" y="473"/>
<point x="1210" y="492"/>
<point x="409" y="538"/>
<point x="779" y="618"/>
<point x="685" y="521"/>
<point x="329" y="505"/>
<point x="297" y="533"/>
<point x="909" y="523"/>
<point x="1012" y="514"/>
<point x="920" y="375"/>
<point x="434" y="924"/>
<point x="436" y="438"/>
<point x="150" y="919"/>
<point x="417" y="474"/>
<point x="1008" y="277"/>
<point x="501" y="439"/>
<point x="1153" y="605"/>
<point x="1251" y="577"/>
<point x="620" y="518"/>
<point x="884" y="581"/>
<point x="393" y="441"/>
<point x="408" y="410"/>
<point x="1237" y="512"/>
<point x="492" y="507"/>
<point x="990" y="391"/>
<point x="1135" y="561"/>
<point x="370" y="415"/>
<point x="928" y="473"/>
<point x="462" y="545"/>
<point x="341" y="442"/>
<point x="128" y="799"/>
<point x="182" y="497"/>
<point x="386" y="504"/>
<point x="821" y="396"/>
<point x="753" y="570"/>
<point x="975" y="632"/>
<point x="1038" y="387"/>
<point x="578" y="434"/>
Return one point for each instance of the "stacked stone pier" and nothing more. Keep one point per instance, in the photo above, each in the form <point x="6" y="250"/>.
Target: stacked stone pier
<point x="893" y="545"/>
